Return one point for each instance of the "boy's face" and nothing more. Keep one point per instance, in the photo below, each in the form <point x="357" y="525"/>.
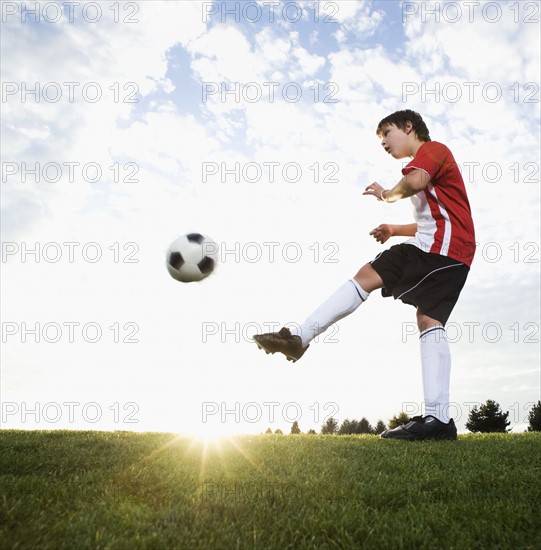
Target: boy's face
<point x="395" y="141"/>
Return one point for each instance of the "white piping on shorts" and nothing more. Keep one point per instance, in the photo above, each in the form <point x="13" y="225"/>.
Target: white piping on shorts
<point x="427" y="275"/>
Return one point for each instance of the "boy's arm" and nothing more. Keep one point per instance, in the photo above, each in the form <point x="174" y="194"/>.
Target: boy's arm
<point x="408" y="230"/>
<point x="408" y="186"/>
<point x="384" y="231"/>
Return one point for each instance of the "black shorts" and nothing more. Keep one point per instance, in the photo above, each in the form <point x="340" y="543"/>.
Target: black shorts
<point x="428" y="281"/>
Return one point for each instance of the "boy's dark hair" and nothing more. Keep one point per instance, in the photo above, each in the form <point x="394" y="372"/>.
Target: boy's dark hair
<point x="399" y="119"/>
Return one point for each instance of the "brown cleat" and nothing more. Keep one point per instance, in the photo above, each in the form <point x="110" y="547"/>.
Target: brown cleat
<point x="282" y="342"/>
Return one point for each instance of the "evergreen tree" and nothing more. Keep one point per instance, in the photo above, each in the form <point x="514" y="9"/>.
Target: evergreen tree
<point x="345" y="427"/>
<point x="330" y="427"/>
<point x="535" y="418"/>
<point x="295" y="428"/>
<point x="398" y="420"/>
<point x="364" y="427"/>
<point x="488" y="418"/>
<point x="380" y="427"/>
<point x="356" y="427"/>
<point x="311" y="432"/>
<point x="268" y="431"/>
<point x="278" y="432"/>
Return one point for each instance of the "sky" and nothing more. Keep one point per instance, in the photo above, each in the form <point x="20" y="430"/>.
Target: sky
<point x="127" y="124"/>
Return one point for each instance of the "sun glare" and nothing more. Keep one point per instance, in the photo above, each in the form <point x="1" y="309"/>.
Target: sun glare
<point x="210" y="438"/>
<point x="211" y="434"/>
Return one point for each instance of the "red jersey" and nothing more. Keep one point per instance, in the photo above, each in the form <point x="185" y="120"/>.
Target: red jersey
<point x="441" y="209"/>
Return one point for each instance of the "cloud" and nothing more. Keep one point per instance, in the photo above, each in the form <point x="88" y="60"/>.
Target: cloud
<point x="75" y="63"/>
<point x="358" y="20"/>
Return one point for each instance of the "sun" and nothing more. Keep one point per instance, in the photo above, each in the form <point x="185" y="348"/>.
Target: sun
<point x="211" y="435"/>
<point x="210" y="438"/>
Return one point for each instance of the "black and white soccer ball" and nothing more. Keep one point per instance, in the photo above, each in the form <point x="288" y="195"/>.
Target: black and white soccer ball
<point x="192" y="257"/>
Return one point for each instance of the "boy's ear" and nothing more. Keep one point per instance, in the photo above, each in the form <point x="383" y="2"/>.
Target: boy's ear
<point x="408" y="127"/>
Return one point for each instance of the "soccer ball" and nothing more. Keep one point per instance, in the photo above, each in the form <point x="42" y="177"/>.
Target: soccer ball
<point x="192" y="257"/>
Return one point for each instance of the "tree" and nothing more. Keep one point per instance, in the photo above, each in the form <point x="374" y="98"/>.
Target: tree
<point x="278" y="432"/>
<point x="398" y="420"/>
<point x="330" y="427"/>
<point x="535" y="418"/>
<point x="488" y="418"/>
<point x="295" y="428"/>
<point x="364" y="427"/>
<point x="311" y="432"/>
<point x="346" y="427"/>
<point x="269" y="431"/>
<point x="354" y="427"/>
<point x="380" y="427"/>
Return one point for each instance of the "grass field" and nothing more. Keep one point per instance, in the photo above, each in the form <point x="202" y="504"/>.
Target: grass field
<point x="65" y="489"/>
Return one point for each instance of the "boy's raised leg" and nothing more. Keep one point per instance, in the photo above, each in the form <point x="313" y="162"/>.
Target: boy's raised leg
<point x="347" y="298"/>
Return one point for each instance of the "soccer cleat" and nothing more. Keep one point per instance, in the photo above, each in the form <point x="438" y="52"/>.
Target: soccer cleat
<point x="422" y="427"/>
<point x="282" y="342"/>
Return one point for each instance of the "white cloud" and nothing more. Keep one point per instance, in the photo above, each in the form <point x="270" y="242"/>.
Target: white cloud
<point x="357" y="19"/>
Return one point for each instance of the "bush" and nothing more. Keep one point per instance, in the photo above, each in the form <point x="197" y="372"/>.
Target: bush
<point x="488" y="418"/>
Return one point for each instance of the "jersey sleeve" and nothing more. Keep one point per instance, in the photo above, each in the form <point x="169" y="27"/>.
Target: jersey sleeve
<point x="429" y="158"/>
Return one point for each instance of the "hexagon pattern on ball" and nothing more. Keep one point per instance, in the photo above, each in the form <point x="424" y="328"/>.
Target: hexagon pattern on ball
<point x="192" y="257"/>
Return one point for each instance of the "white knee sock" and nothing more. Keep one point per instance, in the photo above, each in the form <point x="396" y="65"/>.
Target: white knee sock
<point x="436" y="365"/>
<point x="343" y="302"/>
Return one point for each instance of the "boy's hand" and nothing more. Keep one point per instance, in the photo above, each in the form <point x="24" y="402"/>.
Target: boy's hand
<point x="382" y="232"/>
<point x="374" y="189"/>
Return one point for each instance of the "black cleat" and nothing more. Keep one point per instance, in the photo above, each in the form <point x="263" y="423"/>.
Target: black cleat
<point x="422" y="427"/>
<point x="282" y="342"/>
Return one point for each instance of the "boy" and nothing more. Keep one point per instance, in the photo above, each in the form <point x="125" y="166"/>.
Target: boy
<point x="428" y="271"/>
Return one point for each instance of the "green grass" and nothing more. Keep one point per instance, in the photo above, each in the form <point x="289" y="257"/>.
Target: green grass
<point x="81" y="490"/>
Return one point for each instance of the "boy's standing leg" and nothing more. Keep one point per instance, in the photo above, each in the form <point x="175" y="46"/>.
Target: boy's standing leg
<point x="436" y="374"/>
<point x="436" y="367"/>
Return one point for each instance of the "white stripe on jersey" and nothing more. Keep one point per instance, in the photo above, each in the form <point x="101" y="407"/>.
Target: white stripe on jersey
<point x="447" y="231"/>
<point x="426" y="224"/>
